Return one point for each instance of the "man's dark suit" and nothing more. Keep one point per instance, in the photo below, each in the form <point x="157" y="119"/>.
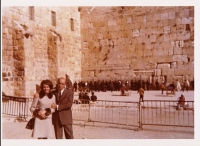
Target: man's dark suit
<point x="62" y="118"/>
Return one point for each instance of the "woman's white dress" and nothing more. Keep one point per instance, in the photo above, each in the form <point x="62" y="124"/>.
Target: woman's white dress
<point x="43" y="128"/>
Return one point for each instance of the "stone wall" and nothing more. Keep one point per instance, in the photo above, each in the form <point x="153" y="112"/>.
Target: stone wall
<point x="33" y="50"/>
<point x="137" y="42"/>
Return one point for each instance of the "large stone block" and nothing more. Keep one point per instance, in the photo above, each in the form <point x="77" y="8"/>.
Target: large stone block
<point x="171" y="15"/>
<point x="148" y="46"/>
<point x="141" y="40"/>
<point x="180" y="72"/>
<point x="187" y="20"/>
<point x="149" y="63"/>
<point x="111" y="22"/>
<point x="184" y="13"/>
<point x="167" y="72"/>
<point x="181" y="36"/>
<point x="160" y="37"/>
<point x="165" y="22"/>
<point x="158" y="72"/>
<point x="136" y="33"/>
<point x="137" y="64"/>
<point x="139" y="46"/>
<point x="189" y="65"/>
<point x="178" y="51"/>
<point x="180" y="58"/>
<point x="161" y="59"/>
<point x="173" y="65"/>
<point x="191" y="13"/>
<point x="141" y="19"/>
<point x="166" y="38"/>
<point x="157" y="31"/>
<point x="152" y="38"/>
<point x="151" y="24"/>
<point x="149" y="31"/>
<point x="156" y="16"/>
<point x="157" y="51"/>
<point x="166" y="29"/>
<point x="164" y="16"/>
<point x="163" y="65"/>
<point x="188" y="50"/>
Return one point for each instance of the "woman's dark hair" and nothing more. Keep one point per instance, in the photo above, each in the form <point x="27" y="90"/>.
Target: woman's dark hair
<point x="42" y="93"/>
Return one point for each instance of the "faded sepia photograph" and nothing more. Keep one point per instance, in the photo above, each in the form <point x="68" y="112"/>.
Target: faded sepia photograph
<point x="98" y="72"/>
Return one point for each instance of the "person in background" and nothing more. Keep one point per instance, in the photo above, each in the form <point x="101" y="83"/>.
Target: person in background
<point x="75" y="86"/>
<point x="181" y="102"/>
<point x="173" y="87"/>
<point x="141" y="93"/>
<point x="93" y="97"/>
<point x="41" y="109"/>
<point x="178" y="85"/>
<point x="186" y="85"/>
<point x="162" y="86"/>
<point x="86" y="98"/>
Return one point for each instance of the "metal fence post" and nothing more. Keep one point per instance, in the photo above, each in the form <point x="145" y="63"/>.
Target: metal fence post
<point x="140" y="117"/>
<point x="89" y="119"/>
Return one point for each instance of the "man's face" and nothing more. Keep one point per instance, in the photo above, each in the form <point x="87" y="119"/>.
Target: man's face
<point x="61" y="84"/>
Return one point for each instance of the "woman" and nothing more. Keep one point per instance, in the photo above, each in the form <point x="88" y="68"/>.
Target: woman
<point x="178" y="85"/>
<point x="41" y="108"/>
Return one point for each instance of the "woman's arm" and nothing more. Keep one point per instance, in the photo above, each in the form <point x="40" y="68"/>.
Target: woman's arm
<point x="52" y="108"/>
<point x="34" y="102"/>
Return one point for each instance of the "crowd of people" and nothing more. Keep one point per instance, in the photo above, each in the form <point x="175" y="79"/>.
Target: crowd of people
<point x="115" y="85"/>
<point x="84" y="98"/>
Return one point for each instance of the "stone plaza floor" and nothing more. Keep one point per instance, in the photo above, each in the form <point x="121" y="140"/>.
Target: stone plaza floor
<point x="16" y="130"/>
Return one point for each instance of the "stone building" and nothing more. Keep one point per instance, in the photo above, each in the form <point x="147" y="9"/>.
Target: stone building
<point x="87" y="43"/>
<point x="39" y="43"/>
<point x="137" y="42"/>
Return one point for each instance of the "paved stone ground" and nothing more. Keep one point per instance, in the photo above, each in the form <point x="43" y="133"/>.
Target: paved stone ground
<point x="16" y="130"/>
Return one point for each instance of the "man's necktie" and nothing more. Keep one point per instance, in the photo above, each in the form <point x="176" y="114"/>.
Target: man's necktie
<point x="59" y="95"/>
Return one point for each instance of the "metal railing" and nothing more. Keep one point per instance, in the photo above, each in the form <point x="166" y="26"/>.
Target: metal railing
<point x="113" y="112"/>
<point x="149" y="112"/>
<point x="164" y="113"/>
<point x="16" y="106"/>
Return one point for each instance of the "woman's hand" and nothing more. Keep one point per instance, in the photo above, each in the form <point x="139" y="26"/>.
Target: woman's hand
<point x="53" y="106"/>
<point x="41" y="114"/>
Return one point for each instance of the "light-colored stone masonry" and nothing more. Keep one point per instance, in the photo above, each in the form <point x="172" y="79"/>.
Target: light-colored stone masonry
<point x="107" y="42"/>
<point x="129" y="42"/>
<point x="33" y="50"/>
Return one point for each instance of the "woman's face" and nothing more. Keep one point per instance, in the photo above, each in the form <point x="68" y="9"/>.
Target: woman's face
<point x="46" y="88"/>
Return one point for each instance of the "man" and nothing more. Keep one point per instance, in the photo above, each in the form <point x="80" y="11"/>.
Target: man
<point x="141" y="93"/>
<point x="93" y="97"/>
<point x="162" y="86"/>
<point x="62" y="118"/>
<point x="181" y="102"/>
<point x="173" y="87"/>
<point x="86" y="98"/>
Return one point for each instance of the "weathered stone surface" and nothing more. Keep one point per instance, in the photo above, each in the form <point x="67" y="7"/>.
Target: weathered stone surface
<point x="168" y="72"/>
<point x="183" y="72"/>
<point x="173" y="65"/>
<point x="36" y="50"/>
<point x="178" y="51"/>
<point x="109" y="43"/>
<point x="164" y="65"/>
<point x="158" y="72"/>
<point x="180" y="58"/>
